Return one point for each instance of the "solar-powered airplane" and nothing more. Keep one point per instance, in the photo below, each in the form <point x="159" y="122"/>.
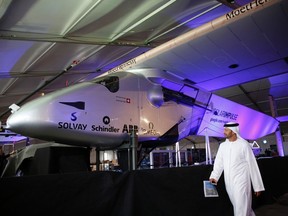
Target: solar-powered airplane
<point x="162" y="106"/>
<point x="159" y="107"/>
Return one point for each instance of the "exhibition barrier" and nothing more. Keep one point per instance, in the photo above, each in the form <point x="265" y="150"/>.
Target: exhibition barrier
<point x="166" y="191"/>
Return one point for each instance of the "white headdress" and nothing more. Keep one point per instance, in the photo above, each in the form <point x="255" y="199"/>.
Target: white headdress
<point x="234" y="126"/>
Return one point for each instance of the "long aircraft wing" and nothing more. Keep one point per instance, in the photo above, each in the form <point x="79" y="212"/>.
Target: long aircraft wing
<point x="249" y="36"/>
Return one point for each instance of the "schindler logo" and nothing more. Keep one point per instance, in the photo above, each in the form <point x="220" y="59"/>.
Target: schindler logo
<point x="105" y="129"/>
<point x="106" y="121"/>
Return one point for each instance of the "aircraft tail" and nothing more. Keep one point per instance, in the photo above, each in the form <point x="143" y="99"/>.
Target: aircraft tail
<point x="253" y="124"/>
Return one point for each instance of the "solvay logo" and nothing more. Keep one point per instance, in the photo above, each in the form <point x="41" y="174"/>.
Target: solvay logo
<point x="73" y="116"/>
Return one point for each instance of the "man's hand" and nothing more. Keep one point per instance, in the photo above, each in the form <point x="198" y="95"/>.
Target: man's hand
<point x="213" y="181"/>
<point x="258" y="193"/>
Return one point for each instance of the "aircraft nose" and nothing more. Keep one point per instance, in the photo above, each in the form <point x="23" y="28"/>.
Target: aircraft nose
<point x="40" y="117"/>
<point x="22" y="120"/>
<point x="17" y="120"/>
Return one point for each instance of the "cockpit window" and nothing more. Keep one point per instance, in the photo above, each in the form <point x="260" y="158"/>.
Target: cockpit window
<point x="110" y="82"/>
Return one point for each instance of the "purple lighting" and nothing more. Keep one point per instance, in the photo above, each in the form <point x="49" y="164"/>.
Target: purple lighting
<point x="13" y="53"/>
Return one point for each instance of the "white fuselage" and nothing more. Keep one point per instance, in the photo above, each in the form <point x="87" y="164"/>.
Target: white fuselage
<point x="102" y="113"/>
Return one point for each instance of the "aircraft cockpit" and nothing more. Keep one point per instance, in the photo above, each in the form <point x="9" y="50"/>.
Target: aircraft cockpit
<point x="110" y="82"/>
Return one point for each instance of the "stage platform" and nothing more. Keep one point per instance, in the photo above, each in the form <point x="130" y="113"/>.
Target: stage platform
<point x="165" y="192"/>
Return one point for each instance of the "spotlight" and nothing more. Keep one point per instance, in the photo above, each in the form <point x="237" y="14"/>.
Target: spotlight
<point x="233" y="66"/>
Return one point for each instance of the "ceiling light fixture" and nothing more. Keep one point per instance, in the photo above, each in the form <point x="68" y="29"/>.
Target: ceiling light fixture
<point x="232" y="66"/>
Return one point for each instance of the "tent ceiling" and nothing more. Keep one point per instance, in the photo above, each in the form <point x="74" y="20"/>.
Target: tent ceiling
<point x="39" y="40"/>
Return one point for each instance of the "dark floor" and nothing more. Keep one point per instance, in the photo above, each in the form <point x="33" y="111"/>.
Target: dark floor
<point x="272" y="210"/>
<point x="280" y="208"/>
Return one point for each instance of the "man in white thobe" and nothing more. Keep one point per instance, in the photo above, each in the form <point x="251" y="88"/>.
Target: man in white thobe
<point x="235" y="157"/>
